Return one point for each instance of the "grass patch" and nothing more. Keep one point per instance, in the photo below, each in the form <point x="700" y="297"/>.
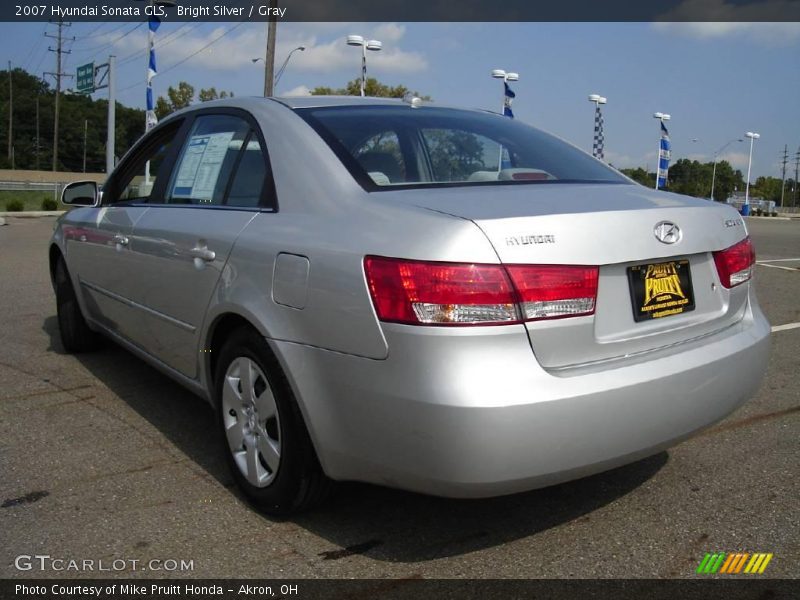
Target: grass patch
<point x="31" y="200"/>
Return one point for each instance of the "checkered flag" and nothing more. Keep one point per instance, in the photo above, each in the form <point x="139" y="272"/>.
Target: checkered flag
<point x="597" y="145"/>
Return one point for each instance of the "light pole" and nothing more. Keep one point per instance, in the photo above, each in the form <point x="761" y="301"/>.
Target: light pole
<point x="506" y="77"/>
<point x="716" y="158"/>
<point x="283" y="66"/>
<point x="373" y="45"/>
<point x="599" y="139"/>
<point x="746" y="207"/>
<point x="286" y="62"/>
<point x="661" y="117"/>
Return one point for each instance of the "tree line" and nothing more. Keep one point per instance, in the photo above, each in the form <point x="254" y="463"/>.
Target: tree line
<point x="76" y="112"/>
<point x="688" y="177"/>
<point x="693" y="178"/>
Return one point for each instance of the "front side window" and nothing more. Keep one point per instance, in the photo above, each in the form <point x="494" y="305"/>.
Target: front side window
<point x="221" y="163"/>
<point x="139" y="176"/>
<point x="386" y="146"/>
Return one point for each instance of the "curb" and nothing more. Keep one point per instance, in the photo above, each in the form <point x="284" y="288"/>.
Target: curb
<point x="33" y="214"/>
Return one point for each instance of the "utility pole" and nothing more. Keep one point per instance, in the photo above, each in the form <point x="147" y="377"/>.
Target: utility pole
<point x="269" y="59"/>
<point x="85" y="135"/>
<point x="37" y="133"/>
<point x="796" y="173"/>
<point x="10" y="117"/>
<point x="783" y="170"/>
<point x="59" y="50"/>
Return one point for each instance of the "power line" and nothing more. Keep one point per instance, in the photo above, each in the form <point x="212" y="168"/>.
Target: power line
<point x="167" y="41"/>
<point x="192" y="55"/>
<point x="85" y="51"/>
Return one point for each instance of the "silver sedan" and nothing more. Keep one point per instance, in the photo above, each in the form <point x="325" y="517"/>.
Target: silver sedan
<point x="429" y="298"/>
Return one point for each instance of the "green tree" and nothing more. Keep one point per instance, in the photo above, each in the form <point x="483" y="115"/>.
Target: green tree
<point x="177" y="98"/>
<point x="211" y="94"/>
<point x="76" y="110"/>
<point x="373" y="88"/>
<point x="639" y="175"/>
<point x="768" y="188"/>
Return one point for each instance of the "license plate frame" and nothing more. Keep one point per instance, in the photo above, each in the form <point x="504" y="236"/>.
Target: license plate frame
<point x="660" y="289"/>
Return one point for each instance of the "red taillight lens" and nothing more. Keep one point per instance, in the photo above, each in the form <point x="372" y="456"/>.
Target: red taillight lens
<point x="435" y="293"/>
<point x="440" y="293"/>
<point x="553" y="291"/>
<point x="735" y="264"/>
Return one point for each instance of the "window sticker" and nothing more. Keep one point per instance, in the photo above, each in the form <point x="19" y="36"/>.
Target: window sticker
<point x="200" y="166"/>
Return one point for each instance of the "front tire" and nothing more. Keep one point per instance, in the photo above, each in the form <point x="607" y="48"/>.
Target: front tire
<point x="74" y="332"/>
<point x="267" y="446"/>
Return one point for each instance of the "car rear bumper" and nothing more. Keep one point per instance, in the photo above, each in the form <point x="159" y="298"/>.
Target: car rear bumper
<point x="452" y="412"/>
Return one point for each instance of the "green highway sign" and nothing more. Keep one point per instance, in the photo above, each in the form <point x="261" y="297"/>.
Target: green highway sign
<point x="85" y="79"/>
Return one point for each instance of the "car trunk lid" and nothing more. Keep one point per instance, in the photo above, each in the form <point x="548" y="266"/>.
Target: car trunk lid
<point x="612" y="226"/>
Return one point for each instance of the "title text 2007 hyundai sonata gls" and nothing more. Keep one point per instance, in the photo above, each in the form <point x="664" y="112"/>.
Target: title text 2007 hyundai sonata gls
<point x="435" y="299"/>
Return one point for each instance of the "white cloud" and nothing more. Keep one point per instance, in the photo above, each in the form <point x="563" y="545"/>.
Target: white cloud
<point x="238" y="49"/>
<point x="724" y="18"/>
<point x="738" y="160"/>
<point x="623" y="161"/>
<point x="732" y="11"/>
<point x="772" y="34"/>
<point x="300" y="90"/>
<point x="389" y="32"/>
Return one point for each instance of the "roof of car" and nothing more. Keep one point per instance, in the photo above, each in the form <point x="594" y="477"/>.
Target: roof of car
<point x="317" y="101"/>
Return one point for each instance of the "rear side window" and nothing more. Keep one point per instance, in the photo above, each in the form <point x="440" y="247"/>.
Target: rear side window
<point x="221" y="163"/>
<point x="387" y="146"/>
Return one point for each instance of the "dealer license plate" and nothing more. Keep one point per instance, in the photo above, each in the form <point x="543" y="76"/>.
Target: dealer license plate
<point x="661" y="290"/>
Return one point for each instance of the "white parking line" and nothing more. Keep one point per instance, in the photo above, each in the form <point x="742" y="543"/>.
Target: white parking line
<point x="778" y="267"/>
<point x="785" y="327"/>
<point x="772" y="260"/>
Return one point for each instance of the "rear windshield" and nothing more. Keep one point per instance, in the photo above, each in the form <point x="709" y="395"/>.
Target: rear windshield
<point x="386" y="147"/>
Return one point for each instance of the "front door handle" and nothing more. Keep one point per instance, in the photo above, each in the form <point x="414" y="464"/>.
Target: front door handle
<point x="121" y="239"/>
<point x="203" y="253"/>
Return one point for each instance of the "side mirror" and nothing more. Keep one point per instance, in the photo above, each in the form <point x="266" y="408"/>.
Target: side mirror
<point x="80" y="193"/>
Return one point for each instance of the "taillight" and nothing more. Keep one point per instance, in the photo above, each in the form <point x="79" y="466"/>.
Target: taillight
<point x="735" y="264"/>
<point x="553" y="291"/>
<point x="438" y="293"/>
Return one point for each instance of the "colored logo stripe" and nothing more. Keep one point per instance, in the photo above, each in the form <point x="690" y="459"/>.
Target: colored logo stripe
<point x="734" y="563"/>
<point x="758" y="563"/>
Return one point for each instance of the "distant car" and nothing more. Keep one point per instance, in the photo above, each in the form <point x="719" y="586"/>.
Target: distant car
<point x="435" y="299"/>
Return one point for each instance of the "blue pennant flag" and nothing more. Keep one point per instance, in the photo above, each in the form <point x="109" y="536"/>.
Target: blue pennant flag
<point x="510" y="95"/>
<point x="152" y="71"/>
<point x="663" y="157"/>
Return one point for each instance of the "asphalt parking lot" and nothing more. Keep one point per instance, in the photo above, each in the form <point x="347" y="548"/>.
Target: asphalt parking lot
<point x="102" y="457"/>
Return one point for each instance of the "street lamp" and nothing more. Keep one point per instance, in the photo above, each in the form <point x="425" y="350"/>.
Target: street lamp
<point x="746" y="207"/>
<point x="661" y="117"/>
<point x="716" y="158"/>
<point x="506" y="77"/>
<point x="597" y="144"/>
<point x="283" y="66"/>
<point x="286" y="62"/>
<point x="373" y="45"/>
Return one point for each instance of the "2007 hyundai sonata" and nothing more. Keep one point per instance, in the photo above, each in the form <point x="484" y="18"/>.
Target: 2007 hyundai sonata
<point x="434" y="299"/>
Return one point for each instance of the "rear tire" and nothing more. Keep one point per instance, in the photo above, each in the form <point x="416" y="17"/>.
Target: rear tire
<point x="267" y="446"/>
<point x="75" y="333"/>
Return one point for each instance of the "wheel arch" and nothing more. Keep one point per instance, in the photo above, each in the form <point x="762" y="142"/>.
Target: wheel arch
<point x="221" y="328"/>
<point x="54" y="254"/>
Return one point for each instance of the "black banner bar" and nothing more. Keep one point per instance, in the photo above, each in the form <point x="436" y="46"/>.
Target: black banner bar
<point x="403" y="10"/>
<point x="752" y="587"/>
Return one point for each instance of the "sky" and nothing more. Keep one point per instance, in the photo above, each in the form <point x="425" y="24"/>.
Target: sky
<point x="716" y="80"/>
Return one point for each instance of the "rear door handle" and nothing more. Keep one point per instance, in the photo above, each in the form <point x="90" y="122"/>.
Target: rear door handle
<point x="203" y="253"/>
